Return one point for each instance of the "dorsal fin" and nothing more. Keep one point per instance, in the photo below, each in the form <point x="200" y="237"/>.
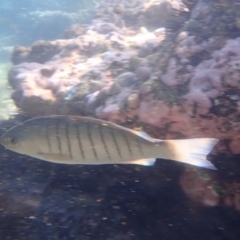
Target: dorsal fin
<point x="143" y="135"/>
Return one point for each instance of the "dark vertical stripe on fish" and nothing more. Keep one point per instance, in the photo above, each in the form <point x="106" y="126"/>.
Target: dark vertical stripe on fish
<point x="139" y="144"/>
<point x="79" y="141"/>
<point x="48" y="138"/>
<point x="91" y="140"/>
<point x="68" y="140"/>
<point x="124" y="134"/>
<point x="103" y="141"/>
<point x="115" y="142"/>
<point x="58" y="138"/>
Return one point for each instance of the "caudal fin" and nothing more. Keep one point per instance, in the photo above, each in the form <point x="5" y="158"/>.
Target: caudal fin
<point x="194" y="151"/>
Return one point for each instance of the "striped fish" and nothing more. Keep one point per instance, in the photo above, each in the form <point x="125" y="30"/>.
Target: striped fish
<point x="85" y="140"/>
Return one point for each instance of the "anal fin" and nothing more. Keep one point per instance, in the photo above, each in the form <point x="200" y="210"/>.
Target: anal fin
<point x="144" y="162"/>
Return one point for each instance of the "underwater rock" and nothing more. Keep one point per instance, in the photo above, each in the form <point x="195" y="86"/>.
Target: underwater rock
<point x="199" y="186"/>
<point x="214" y="18"/>
<point x="212" y="78"/>
<point x="105" y="27"/>
<point x="205" y="188"/>
<point x="133" y="100"/>
<point x="143" y="73"/>
<point x="153" y="112"/>
<point x="152" y="14"/>
<point x="111" y="111"/>
<point x="19" y="54"/>
<point x="183" y="84"/>
<point x="40" y="52"/>
<point x="232" y="195"/>
<point x="126" y="79"/>
<point x="172" y="77"/>
<point x="74" y="31"/>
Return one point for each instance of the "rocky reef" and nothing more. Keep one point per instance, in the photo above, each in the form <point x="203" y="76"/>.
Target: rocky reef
<point x="169" y="67"/>
<point x="7" y="106"/>
<point x="143" y="60"/>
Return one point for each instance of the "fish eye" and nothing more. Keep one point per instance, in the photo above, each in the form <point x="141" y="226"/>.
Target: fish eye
<point x="13" y="141"/>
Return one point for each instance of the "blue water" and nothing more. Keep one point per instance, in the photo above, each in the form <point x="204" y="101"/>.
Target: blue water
<point x="28" y="21"/>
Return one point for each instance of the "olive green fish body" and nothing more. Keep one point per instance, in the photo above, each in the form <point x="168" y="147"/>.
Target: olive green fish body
<point x="84" y="140"/>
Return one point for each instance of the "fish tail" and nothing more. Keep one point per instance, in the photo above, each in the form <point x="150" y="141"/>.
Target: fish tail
<point x="193" y="151"/>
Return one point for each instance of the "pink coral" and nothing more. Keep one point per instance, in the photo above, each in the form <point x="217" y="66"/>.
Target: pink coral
<point x="196" y="99"/>
<point x="232" y="195"/>
<point x="211" y="78"/>
<point x="199" y="187"/>
<point x="112" y="112"/>
<point x="234" y="145"/>
<point x="171" y="77"/>
<point x="187" y="46"/>
<point x="153" y="112"/>
<point x="104" y="27"/>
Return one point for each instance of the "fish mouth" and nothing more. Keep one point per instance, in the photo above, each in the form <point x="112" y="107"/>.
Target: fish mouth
<point x="4" y="141"/>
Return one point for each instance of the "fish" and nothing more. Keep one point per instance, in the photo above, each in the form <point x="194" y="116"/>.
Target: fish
<point x="71" y="139"/>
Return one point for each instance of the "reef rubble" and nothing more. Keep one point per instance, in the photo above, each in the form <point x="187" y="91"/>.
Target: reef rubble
<point x="209" y="189"/>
